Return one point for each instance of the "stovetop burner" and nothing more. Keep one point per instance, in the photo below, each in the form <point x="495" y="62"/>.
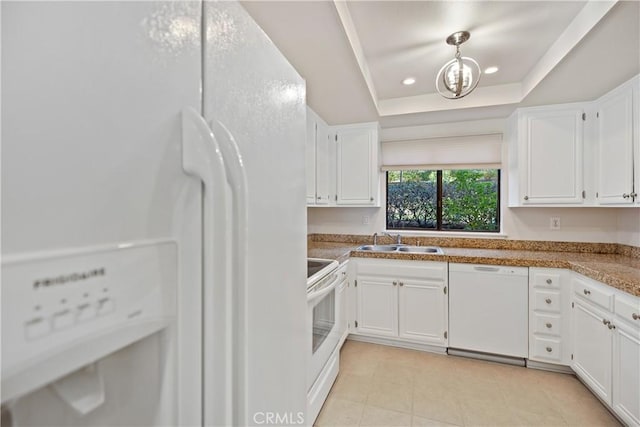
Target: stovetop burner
<point x="318" y="268"/>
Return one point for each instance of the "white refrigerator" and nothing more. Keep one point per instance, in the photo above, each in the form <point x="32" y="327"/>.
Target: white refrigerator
<point x="153" y="217"/>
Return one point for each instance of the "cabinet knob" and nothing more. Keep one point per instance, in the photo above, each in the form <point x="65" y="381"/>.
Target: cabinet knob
<point x="606" y="322"/>
<point x="549" y="281"/>
<point x="318" y="197"/>
<point x="626" y="196"/>
<point x="611" y="326"/>
<point x="371" y="199"/>
<point x="548" y="325"/>
<point x="526" y="197"/>
<point x="401" y="283"/>
<point x="635" y="316"/>
<point x="548" y="300"/>
<point x="395" y="283"/>
<point x="587" y="292"/>
<point x="549" y="349"/>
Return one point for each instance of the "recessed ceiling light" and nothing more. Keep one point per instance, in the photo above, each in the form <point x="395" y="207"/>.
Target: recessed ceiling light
<point x="408" y="81"/>
<point x="490" y="70"/>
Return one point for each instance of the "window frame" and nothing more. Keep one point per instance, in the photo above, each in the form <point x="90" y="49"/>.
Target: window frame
<point x="439" y="191"/>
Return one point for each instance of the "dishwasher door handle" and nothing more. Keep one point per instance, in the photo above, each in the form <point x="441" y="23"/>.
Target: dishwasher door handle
<point x="481" y="268"/>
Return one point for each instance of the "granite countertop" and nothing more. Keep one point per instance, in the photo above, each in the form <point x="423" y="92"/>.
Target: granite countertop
<point x="619" y="271"/>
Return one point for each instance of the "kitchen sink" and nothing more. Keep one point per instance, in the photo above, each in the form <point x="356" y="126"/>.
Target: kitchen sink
<point x="421" y="249"/>
<point x="402" y="248"/>
<point x="378" y="248"/>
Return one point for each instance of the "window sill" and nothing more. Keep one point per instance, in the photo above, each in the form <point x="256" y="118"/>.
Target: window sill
<point x="461" y="234"/>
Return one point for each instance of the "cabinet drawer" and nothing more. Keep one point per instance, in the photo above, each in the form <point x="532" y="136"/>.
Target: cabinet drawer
<point x="547" y="301"/>
<point x="628" y="308"/>
<point x="547" y="324"/>
<point x="547" y="349"/>
<point x="597" y="294"/>
<point x="546" y="280"/>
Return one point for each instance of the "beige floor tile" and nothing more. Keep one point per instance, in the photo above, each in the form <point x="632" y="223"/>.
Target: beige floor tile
<point x="425" y="422"/>
<point x="374" y="416"/>
<point x="352" y="387"/>
<point x="339" y="412"/>
<point x="438" y="405"/>
<point x="362" y="367"/>
<point x="389" y="371"/>
<point x="448" y="390"/>
<point x="542" y="418"/>
<point x="392" y="396"/>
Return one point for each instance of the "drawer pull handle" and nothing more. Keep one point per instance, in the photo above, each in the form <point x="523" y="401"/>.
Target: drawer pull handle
<point x="548" y="300"/>
<point x="635" y="316"/>
<point x="549" y="349"/>
<point x="548" y="325"/>
<point x="587" y="292"/>
<point x="606" y="322"/>
<point x="549" y="281"/>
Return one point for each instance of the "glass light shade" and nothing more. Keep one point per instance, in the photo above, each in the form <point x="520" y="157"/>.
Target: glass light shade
<point x="447" y="78"/>
<point x="452" y="76"/>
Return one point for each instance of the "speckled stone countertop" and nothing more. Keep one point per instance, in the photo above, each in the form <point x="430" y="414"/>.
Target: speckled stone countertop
<point x="615" y="265"/>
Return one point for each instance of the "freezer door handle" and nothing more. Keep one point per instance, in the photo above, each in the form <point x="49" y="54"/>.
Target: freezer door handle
<point x="237" y="325"/>
<point x="202" y="158"/>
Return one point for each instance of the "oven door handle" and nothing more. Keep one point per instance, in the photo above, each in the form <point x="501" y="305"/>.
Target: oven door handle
<point x="323" y="291"/>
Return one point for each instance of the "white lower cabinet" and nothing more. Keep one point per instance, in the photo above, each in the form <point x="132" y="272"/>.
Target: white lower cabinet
<point x="549" y="320"/>
<point x="606" y="345"/>
<point x="626" y="360"/>
<point x="403" y="300"/>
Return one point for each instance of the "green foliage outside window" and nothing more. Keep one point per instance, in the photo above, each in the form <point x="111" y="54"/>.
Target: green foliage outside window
<point x="469" y="200"/>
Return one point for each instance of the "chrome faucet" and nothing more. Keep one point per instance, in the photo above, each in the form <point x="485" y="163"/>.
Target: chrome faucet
<point x="375" y="239"/>
<point x="398" y="237"/>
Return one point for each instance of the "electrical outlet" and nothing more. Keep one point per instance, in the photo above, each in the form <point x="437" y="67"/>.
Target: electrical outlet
<point x="554" y="223"/>
<point x="365" y="220"/>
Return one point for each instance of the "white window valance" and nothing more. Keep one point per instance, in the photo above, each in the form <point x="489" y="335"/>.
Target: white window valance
<point x="463" y="152"/>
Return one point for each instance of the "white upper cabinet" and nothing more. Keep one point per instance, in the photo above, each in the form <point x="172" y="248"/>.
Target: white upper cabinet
<point x="320" y="167"/>
<point x="357" y="164"/>
<point x="546" y="156"/>
<point x="617" y="145"/>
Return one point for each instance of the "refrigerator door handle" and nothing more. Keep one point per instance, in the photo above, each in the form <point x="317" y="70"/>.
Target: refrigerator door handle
<point x="202" y="158"/>
<point x="237" y="179"/>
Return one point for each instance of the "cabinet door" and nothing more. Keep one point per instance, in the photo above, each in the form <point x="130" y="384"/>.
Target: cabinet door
<point x="615" y="147"/>
<point x="311" y="157"/>
<point x="592" y="348"/>
<point x="626" y="373"/>
<point x="323" y="192"/>
<point x="356" y="166"/>
<point x="377" y="306"/>
<point x="422" y="309"/>
<point x="552" y="156"/>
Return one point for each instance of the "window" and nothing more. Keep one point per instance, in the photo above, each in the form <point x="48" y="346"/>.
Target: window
<point x="446" y="200"/>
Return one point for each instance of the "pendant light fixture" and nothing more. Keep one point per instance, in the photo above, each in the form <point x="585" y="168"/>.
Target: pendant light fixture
<point x="458" y="77"/>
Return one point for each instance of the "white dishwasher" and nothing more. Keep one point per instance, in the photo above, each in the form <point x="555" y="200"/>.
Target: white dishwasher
<point x="488" y="309"/>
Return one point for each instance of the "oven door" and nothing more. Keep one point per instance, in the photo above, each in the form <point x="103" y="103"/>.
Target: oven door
<point x="322" y="324"/>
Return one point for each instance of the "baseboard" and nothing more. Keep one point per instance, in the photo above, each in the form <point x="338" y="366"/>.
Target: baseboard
<point x="397" y="343"/>
<point x="551" y="367"/>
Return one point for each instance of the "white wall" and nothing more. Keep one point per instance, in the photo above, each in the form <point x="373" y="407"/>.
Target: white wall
<point x="629" y="226"/>
<point x="604" y="225"/>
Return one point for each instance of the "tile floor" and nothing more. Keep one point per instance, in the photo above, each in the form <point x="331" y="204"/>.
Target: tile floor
<point x="388" y="386"/>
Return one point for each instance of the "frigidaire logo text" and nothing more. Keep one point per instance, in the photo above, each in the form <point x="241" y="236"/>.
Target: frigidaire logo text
<point x="65" y="278"/>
